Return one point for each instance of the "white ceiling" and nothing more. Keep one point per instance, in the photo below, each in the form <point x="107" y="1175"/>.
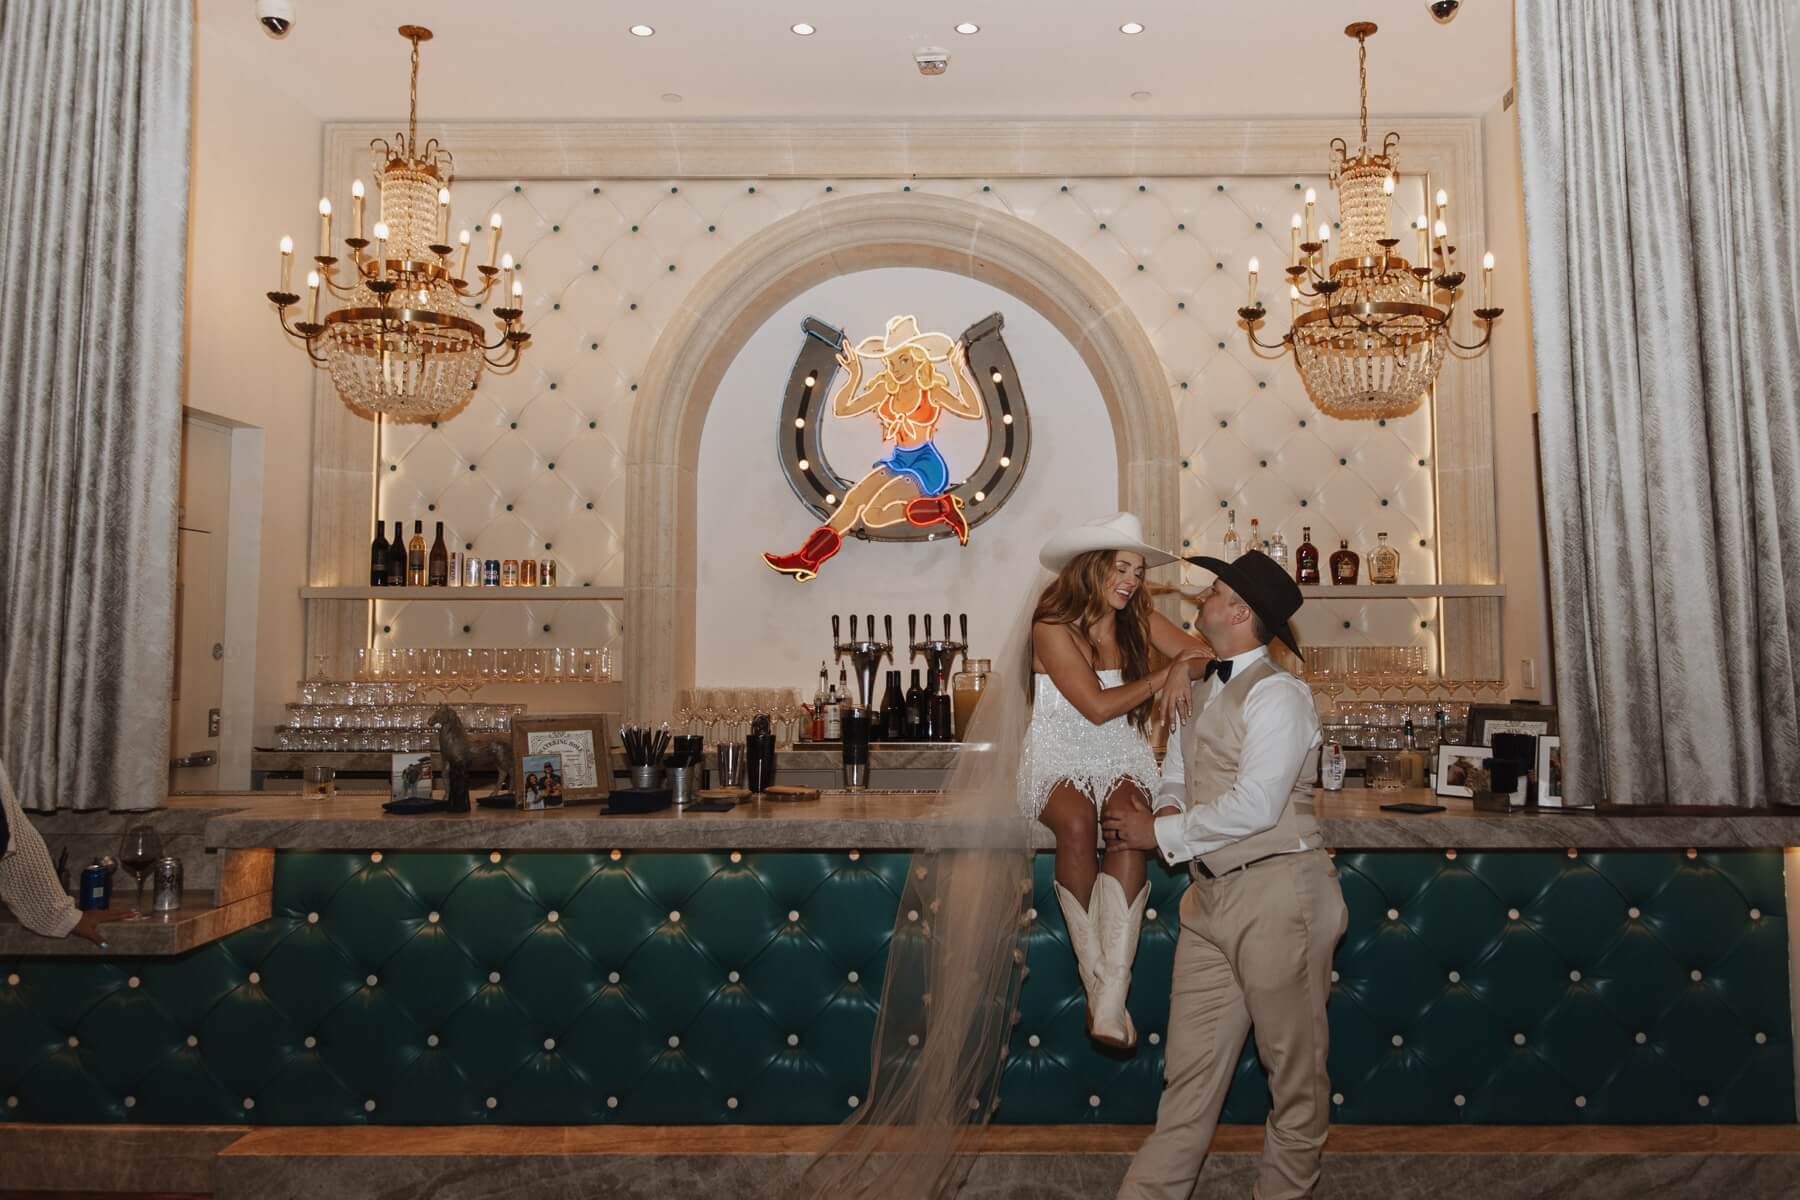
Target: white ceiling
<point x="576" y="60"/>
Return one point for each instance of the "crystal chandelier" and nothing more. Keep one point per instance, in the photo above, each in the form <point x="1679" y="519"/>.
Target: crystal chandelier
<point x="403" y="345"/>
<point x="1369" y="330"/>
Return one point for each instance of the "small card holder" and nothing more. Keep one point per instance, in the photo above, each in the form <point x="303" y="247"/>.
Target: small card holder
<point x="707" y="806"/>
<point x="1409" y="807"/>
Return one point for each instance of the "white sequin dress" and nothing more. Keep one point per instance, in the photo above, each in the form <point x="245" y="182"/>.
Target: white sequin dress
<point x="1061" y="744"/>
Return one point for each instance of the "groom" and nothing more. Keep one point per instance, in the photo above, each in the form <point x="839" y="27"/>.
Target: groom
<point x="1264" y="910"/>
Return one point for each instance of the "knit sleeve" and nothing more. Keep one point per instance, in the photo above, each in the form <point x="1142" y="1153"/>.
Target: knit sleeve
<point x="28" y="883"/>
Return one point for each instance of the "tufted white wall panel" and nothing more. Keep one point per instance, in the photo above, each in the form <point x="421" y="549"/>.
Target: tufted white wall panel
<point x="535" y="464"/>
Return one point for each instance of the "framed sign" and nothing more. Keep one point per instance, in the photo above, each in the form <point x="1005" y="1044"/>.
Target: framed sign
<point x="1485" y="720"/>
<point x="582" y="740"/>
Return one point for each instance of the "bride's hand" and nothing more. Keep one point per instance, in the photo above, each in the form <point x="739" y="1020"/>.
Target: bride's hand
<point x="1177" y="700"/>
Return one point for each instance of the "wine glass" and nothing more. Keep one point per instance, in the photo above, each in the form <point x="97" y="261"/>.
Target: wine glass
<point x="138" y="854"/>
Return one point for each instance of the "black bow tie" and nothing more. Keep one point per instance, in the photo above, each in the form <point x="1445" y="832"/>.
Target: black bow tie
<point x="1220" y="667"/>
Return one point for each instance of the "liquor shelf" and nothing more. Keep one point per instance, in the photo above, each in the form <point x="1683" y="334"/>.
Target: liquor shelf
<point x="460" y="594"/>
<point x="1401" y="591"/>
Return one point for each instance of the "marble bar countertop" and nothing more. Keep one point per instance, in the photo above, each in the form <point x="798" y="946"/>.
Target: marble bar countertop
<point x="160" y="935"/>
<point x="875" y="820"/>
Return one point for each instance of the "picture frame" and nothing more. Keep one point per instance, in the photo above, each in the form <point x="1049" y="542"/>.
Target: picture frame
<point x="541" y="784"/>
<point x="409" y="776"/>
<point x="1459" y="771"/>
<point x="1549" y="772"/>
<point x="584" y="742"/>
<point x="1485" y="720"/>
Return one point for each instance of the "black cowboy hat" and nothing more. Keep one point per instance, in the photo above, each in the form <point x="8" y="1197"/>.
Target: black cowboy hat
<point x="1264" y="585"/>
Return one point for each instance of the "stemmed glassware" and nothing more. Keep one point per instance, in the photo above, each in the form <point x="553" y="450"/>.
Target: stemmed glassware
<point x="138" y="854"/>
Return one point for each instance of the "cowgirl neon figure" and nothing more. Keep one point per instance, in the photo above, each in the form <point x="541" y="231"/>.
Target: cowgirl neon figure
<point x="909" y="397"/>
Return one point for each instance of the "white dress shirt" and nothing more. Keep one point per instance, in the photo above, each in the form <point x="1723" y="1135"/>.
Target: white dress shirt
<point x="1281" y="727"/>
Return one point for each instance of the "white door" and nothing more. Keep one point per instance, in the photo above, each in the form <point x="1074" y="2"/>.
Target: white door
<point x="200" y="608"/>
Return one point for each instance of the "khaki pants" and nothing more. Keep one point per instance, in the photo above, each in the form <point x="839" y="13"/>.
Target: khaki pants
<point x="1255" y="952"/>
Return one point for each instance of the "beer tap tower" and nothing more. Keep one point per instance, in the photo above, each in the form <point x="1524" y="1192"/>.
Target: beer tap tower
<point x="939" y="654"/>
<point x="865" y="657"/>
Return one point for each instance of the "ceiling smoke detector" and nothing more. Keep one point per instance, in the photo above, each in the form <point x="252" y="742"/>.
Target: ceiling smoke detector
<point x="932" y="60"/>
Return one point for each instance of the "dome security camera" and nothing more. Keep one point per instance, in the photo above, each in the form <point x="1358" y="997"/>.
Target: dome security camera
<point x="1444" y="11"/>
<point x="276" y="16"/>
<point x="932" y="61"/>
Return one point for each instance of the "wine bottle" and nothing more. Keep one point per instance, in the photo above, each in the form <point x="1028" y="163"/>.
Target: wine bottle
<point x="437" y="571"/>
<point x="396" y="557"/>
<point x="1345" y="563"/>
<point x="1231" y="535"/>
<point x="845" y="699"/>
<point x="915" y="709"/>
<point x="415" y="556"/>
<point x="818" y="707"/>
<point x="378" y="551"/>
<point x="893" y="709"/>
<point x="834" y="716"/>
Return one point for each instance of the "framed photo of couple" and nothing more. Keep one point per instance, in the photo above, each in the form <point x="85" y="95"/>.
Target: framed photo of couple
<point x="582" y="742"/>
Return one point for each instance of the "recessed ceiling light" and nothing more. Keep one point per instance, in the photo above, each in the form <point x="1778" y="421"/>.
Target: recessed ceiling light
<point x="1132" y="27"/>
<point x="803" y="29"/>
<point x="1140" y="97"/>
<point x="968" y="27"/>
<point x="671" y="97"/>
<point x="642" y="30"/>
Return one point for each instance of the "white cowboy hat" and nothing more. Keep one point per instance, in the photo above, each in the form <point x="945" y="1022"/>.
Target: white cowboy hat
<point x="902" y="332"/>
<point x="1121" y="531"/>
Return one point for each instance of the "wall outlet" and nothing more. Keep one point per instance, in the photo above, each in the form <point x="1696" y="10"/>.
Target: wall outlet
<point x="1528" y="674"/>
<point x="212" y="722"/>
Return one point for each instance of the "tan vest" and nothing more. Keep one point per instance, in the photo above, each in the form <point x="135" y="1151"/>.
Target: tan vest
<point x="1210" y="745"/>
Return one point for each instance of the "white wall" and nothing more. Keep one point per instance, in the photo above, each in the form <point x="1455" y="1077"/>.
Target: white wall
<point x="758" y="628"/>
<point x="255" y="173"/>
<point x="1526" y="638"/>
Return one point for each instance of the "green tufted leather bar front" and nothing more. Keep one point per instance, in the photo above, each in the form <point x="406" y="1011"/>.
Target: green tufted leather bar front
<point x="696" y="988"/>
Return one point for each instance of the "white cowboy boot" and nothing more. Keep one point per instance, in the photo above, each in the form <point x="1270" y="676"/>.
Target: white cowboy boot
<point x="1116" y="924"/>
<point x="1081" y="939"/>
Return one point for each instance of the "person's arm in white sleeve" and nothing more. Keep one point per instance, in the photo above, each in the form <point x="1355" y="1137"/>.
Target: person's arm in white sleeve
<point x="28" y="883"/>
<point x="1280" y="727"/>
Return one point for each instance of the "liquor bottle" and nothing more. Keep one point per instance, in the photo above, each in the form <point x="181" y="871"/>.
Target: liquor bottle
<point x="893" y="709"/>
<point x="1279" y="552"/>
<point x="1412" y="759"/>
<point x="943" y="716"/>
<point x="437" y="567"/>
<point x="415" y="556"/>
<point x="396" y="560"/>
<point x="834" y="716"/>
<point x="1344" y="563"/>
<point x="378" y="550"/>
<point x="845" y="699"/>
<point x="1231" y="535"/>
<point x="818" y="707"/>
<point x="1256" y="538"/>
<point x="1306" y="559"/>
<point x="916" y="704"/>
<point x="1384" y="562"/>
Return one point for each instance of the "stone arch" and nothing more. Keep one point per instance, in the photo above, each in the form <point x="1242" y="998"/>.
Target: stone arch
<point x="839" y="237"/>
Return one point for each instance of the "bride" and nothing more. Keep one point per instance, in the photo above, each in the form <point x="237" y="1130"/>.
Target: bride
<point x="1087" y="751"/>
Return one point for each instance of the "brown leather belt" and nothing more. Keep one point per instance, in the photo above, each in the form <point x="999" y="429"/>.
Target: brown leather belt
<point x="1199" y="870"/>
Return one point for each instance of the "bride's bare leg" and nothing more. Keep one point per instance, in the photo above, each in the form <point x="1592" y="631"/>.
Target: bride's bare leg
<point x="1126" y="866"/>
<point x="1070" y="816"/>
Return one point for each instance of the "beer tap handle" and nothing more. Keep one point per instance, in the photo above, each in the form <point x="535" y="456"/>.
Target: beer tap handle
<point x="887" y="621"/>
<point x="837" y="638"/>
<point x="962" y="620"/>
<point x="912" y="634"/>
<point x="871" y="627"/>
<point x="853" y="627"/>
<point x="946" y="627"/>
<point x="928" y="627"/>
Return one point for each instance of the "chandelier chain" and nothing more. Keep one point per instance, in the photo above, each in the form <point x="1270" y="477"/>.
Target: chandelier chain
<point x="412" y="98"/>
<point x="1362" y="72"/>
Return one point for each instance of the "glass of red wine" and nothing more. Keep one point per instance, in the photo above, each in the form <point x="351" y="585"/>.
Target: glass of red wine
<point x="138" y="854"/>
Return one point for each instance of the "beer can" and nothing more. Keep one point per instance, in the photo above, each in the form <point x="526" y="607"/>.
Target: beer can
<point x="490" y="573"/>
<point x="527" y="572"/>
<point x="471" y="571"/>
<point x="456" y="568"/>
<point x="96" y="887"/>
<point x="167" y="877"/>
<point x="547" y="573"/>
<point x="509" y="572"/>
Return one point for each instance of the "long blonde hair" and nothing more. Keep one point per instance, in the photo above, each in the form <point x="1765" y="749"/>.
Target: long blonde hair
<point x="1077" y="598"/>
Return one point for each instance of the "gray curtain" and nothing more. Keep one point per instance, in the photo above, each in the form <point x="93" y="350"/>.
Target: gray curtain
<point x="1658" y="152"/>
<point x="94" y="114"/>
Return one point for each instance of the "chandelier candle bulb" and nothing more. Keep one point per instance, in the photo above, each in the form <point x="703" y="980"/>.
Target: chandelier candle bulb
<point x="1387" y="186"/>
<point x="506" y="264"/>
<point x="312" y="304"/>
<point x="1312" y="198"/>
<point x="518" y="295"/>
<point x="443" y="215"/>
<point x="356" y="210"/>
<point x="324" y="227"/>
<point x="494" y="240"/>
<point x="1487" y="280"/>
<point x="1254" y="266"/>
<point x="381" y="236"/>
<point x="462" y="264"/>
<point x="1294" y="242"/>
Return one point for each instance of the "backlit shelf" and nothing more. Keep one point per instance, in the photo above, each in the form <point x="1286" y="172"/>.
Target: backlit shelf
<point x="460" y="595"/>
<point x="1402" y="591"/>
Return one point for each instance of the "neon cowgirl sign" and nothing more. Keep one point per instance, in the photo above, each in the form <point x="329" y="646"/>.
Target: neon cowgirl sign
<point x="910" y="383"/>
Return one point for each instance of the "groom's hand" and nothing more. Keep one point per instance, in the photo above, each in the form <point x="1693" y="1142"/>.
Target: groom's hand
<point x="1132" y="829"/>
